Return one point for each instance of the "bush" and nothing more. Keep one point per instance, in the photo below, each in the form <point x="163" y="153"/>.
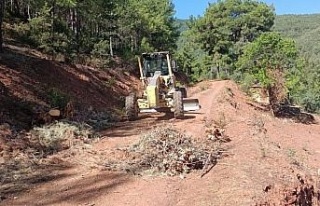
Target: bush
<point x="58" y="99"/>
<point x="23" y="33"/>
<point x="101" y="49"/>
<point x="247" y="82"/>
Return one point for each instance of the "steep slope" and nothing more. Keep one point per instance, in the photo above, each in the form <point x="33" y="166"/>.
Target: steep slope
<point x="32" y="83"/>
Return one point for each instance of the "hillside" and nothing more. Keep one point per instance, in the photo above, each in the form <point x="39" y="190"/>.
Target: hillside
<point x="304" y="29"/>
<point x="32" y="85"/>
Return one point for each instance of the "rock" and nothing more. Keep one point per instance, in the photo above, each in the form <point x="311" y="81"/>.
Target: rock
<point x="5" y="129"/>
<point x="54" y="113"/>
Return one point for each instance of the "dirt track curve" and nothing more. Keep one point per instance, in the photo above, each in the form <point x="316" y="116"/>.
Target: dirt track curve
<point x="255" y="154"/>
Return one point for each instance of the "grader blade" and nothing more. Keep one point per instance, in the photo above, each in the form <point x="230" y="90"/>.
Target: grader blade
<point x="148" y="111"/>
<point x="191" y="105"/>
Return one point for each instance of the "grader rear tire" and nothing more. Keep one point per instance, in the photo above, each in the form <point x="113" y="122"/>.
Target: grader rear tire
<point x="132" y="107"/>
<point x="178" y="105"/>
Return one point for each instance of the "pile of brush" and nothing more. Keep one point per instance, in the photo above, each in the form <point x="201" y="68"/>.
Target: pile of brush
<point x="167" y="151"/>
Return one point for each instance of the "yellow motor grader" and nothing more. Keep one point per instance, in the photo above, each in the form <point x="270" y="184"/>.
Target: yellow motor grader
<point x="161" y="93"/>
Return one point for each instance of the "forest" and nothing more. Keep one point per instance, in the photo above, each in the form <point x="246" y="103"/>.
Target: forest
<point x="304" y="30"/>
<point x="101" y="29"/>
<point x="266" y="44"/>
<point x="234" y="39"/>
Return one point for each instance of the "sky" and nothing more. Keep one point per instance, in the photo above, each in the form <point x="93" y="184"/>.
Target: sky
<point x="186" y="8"/>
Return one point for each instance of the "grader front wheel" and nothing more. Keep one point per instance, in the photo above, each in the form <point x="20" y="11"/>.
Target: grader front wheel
<point x="178" y="105"/>
<point x="132" y="107"/>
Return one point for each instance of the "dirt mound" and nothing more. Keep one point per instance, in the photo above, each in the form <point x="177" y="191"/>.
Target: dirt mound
<point x="303" y="191"/>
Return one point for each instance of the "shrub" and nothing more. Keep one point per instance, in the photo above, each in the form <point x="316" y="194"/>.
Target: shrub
<point x="58" y="99"/>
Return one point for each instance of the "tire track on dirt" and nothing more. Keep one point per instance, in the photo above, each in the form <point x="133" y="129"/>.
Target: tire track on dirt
<point x="207" y="98"/>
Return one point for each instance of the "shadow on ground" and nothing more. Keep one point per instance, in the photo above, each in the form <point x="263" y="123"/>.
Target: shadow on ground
<point x="17" y="177"/>
<point x="145" y="122"/>
<point x="287" y="112"/>
<point x="58" y="185"/>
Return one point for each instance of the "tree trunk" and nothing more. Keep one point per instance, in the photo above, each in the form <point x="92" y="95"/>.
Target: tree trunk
<point x="16" y="8"/>
<point x="28" y="11"/>
<point x="1" y="20"/>
<point x="110" y="44"/>
<point x="53" y="13"/>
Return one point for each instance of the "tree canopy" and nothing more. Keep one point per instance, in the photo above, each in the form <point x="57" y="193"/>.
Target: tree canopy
<point x="233" y="39"/>
<point x="270" y="52"/>
<point x="226" y="27"/>
<point x="267" y="60"/>
<point x="73" y="27"/>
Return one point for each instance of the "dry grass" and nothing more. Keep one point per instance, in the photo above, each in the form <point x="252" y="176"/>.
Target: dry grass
<point x="58" y="136"/>
<point x="98" y="120"/>
<point x="221" y="121"/>
<point x="22" y="158"/>
<point x="215" y="129"/>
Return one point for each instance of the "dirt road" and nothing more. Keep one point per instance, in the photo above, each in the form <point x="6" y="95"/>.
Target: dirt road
<point x="263" y="152"/>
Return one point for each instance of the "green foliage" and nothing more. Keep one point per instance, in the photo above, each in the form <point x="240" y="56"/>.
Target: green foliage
<point x="303" y="84"/>
<point x="101" y="49"/>
<point x="268" y="52"/>
<point x="268" y="59"/>
<point x="220" y="36"/>
<point x="246" y="81"/>
<point x="22" y="32"/>
<point x="303" y="81"/>
<point x="229" y="25"/>
<point x="194" y="61"/>
<point x="83" y="28"/>
<point x="57" y="99"/>
<point x="304" y="29"/>
<point x="153" y="27"/>
<point x="146" y="46"/>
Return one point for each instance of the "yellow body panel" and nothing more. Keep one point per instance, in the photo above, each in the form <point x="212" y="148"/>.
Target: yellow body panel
<point x="153" y="96"/>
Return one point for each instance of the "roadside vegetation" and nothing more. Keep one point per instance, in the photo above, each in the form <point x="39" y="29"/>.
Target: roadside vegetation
<point x="247" y="42"/>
